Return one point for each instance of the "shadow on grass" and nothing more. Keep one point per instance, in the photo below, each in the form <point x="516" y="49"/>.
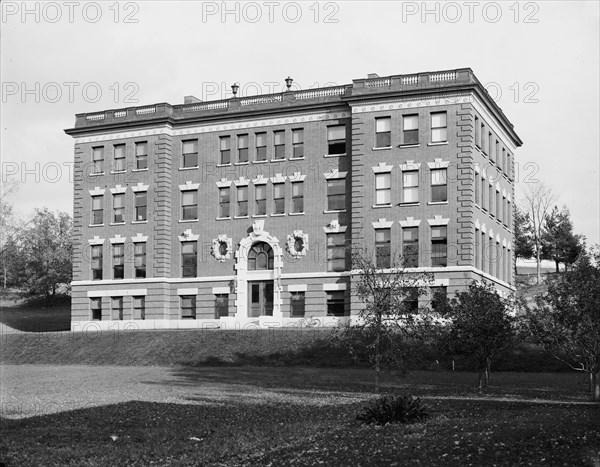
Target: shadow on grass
<point x="35" y="316"/>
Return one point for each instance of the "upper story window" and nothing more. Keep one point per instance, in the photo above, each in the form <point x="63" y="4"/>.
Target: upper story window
<point x="410" y="186"/>
<point x="260" y="257"/>
<point x="96" y="308"/>
<point x="383" y="249"/>
<point x="242" y="148"/>
<point x="224" y="202"/>
<point x="189" y="205"/>
<point x="279" y="198"/>
<point x="410" y="246"/>
<point x="141" y="155"/>
<point x="242" y="201"/>
<point x="225" y="142"/>
<point x="97" y="262"/>
<point x="279" y="142"/>
<point x="477" y="132"/>
<point x="141" y="206"/>
<point x="98" y="160"/>
<point x="261" y="146"/>
<point x="119" y="157"/>
<point x="336" y="252"/>
<point x="118" y="208"/>
<point x="260" y="196"/>
<point x="190" y="153"/>
<point x="118" y="261"/>
<point x="336" y="139"/>
<point x="189" y="259"/>
<point x="298" y="142"/>
<point x="410" y="127"/>
<point x="297" y="197"/>
<point x="439" y="130"/>
<point x="97" y="210"/>
<point x="139" y="259"/>
<point x="439" y="246"/>
<point x="439" y="187"/>
<point x="383" y="132"/>
<point x="383" y="188"/>
<point x="336" y="194"/>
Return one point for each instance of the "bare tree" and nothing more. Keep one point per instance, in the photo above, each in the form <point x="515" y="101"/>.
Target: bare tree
<point x="538" y="200"/>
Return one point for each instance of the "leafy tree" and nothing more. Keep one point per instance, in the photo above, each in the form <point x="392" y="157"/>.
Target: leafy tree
<point x="523" y="230"/>
<point x="566" y="319"/>
<point x="478" y="324"/>
<point x="559" y="243"/>
<point x="389" y="315"/>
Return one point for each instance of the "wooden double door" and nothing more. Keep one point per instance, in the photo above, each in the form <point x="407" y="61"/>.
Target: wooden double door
<point x="260" y="295"/>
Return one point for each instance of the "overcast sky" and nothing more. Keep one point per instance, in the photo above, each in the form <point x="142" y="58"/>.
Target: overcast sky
<point x="540" y="60"/>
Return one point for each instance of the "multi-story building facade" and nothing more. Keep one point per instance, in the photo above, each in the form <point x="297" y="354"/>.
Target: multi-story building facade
<point x="245" y="209"/>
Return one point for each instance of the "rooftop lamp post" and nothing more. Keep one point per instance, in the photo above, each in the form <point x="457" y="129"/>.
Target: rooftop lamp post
<point x="288" y="83"/>
<point x="234" y="88"/>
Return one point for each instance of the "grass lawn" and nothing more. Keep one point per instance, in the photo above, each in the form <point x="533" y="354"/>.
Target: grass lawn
<point x="34" y="316"/>
<point x="298" y="416"/>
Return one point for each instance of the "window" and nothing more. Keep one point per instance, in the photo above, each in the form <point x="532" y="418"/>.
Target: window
<point x="242" y="148"/>
<point x="224" y="200"/>
<point x="439" y="188"/>
<point x="439" y="294"/>
<point x="119" y="157"/>
<point x="410" y="300"/>
<point x="498" y="206"/>
<point x="97" y="210"/>
<point x="491" y="199"/>
<point x="190" y="153"/>
<point x="336" y="194"/>
<point x="477" y="255"/>
<point x="477" y="132"/>
<point x="383" y="189"/>
<point x="410" y="246"/>
<point x="482" y="135"/>
<point x="492" y="256"/>
<point x="410" y="125"/>
<point x="297" y="197"/>
<point x="98" y="160"/>
<point x="297" y="304"/>
<point x="298" y="142"/>
<point x="490" y="145"/>
<point x="118" y="260"/>
<point x="502" y="160"/>
<point x="497" y="155"/>
<point x="242" y="201"/>
<point x="141" y="155"/>
<point x="118" y="208"/>
<point x="439" y="132"/>
<point x="97" y="262"/>
<point x="336" y="140"/>
<point x="139" y="307"/>
<point x="279" y="141"/>
<point x="477" y="191"/>
<point x="335" y="303"/>
<point x="139" y="259"/>
<point x="189" y="203"/>
<point x="96" y="308"/>
<point x="141" y="206"/>
<point x="189" y="259"/>
<point x="188" y="306"/>
<point x="499" y="260"/>
<point x="383" y="253"/>
<point x="116" y="305"/>
<point x="221" y="305"/>
<point x="483" y="194"/>
<point x="225" y="150"/>
<point x="383" y="132"/>
<point x="439" y="246"/>
<point x="508" y="165"/>
<point x="336" y="252"/>
<point x="261" y="146"/>
<point x="279" y="198"/>
<point x="260" y="195"/>
<point x="260" y="257"/>
<point x="410" y="186"/>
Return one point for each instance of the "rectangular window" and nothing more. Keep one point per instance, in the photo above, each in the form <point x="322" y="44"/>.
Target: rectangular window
<point x="439" y="131"/>
<point x="477" y="254"/>
<point x="336" y="194"/>
<point x="483" y="139"/>
<point x="118" y="260"/>
<point x="188" y="306"/>
<point x="336" y="140"/>
<point x="141" y="155"/>
<point x="503" y="160"/>
<point x="119" y="157"/>
<point x="242" y="201"/>
<point x="492" y="256"/>
<point x="260" y="196"/>
<point x="189" y="259"/>
<point x="335" y="303"/>
<point x="498" y="206"/>
<point x="383" y="132"/>
<point x="139" y="307"/>
<point x="97" y="210"/>
<point x="491" y="200"/>
<point x="336" y="252"/>
<point x="410" y="186"/>
<point x="96" y="308"/>
<point x="508" y="165"/>
<point x="477" y="191"/>
<point x="410" y="127"/>
<point x="483" y="194"/>
<point x="190" y="153"/>
<point x="383" y="248"/>
<point x="224" y="201"/>
<point x="279" y="198"/>
<point x="97" y="262"/>
<point x="497" y="154"/>
<point x="279" y="142"/>
<point x="118" y="208"/>
<point x="439" y="246"/>
<point x="490" y="145"/>
<point x="410" y="246"/>
<point x="139" y="259"/>
<point x="477" y="132"/>
<point x="116" y="305"/>
<point x="439" y="187"/>
<point x="297" y="304"/>
<point x="297" y="197"/>
<point x="383" y="188"/>
<point x="141" y="206"/>
<point x="242" y="148"/>
<point x="499" y="260"/>
<point x="261" y="146"/>
<point x="189" y="205"/>
<point x="298" y="142"/>
<point x="410" y="300"/>
<point x="225" y="144"/>
<point x="98" y="160"/>
<point x="221" y="305"/>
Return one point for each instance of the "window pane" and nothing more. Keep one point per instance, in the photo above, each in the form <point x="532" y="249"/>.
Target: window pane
<point x="188" y="247"/>
<point x="411" y="122"/>
<point x="297" y="189"/>
<point x="438" y="134"/>
<point x="96" y="202"/>
<point x="242" y="193"/>
<point x="141" y="149"/>
<point x="383" y="124"/>
<point x="335" y="187"/>
<point x="141" y="198"/>
<point x="438" y="177"/>
<point x="439" y="193"/>
<point x="411" y="195"/>
<point x="336" y="132"/>
<point x="261" y="192"/>
<point x="242" y="141"/>
<point x="261" y="139"/>
<point x="410" y="179"/>
<point x="297" y="136"/>
<point x="383" y="181"/>
<point x="119" y="151"/>
<point x="190" y="197"/>
<point x="119" y="201"/>
<point x="438" y="231"/>
<point x="279" y="191"/>
<point x="279" y="137"/>
<point x="190" y="146"/>
<point x="438" y="120"/>
<point x="225" y="143"/>
<point x="383" y="196"/>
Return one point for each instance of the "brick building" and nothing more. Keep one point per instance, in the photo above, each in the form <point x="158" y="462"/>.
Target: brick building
<point x="239" y="210"/>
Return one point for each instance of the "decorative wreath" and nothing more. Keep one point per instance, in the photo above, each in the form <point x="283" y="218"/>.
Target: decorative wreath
<point x="297" y="243"/>
<point x="222" y="248"/>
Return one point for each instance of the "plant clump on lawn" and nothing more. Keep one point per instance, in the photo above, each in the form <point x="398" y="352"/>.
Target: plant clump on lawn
<point x="393" y="408"/>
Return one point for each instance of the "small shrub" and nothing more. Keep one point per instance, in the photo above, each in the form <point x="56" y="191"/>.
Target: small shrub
<point x="394" y="408"/>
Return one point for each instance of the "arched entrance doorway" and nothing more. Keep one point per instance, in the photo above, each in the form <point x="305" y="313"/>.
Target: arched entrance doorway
<point x="260" y="292"/>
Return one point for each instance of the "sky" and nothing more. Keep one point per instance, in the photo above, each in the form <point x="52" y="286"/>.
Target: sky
<point x="539" y="60"/>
